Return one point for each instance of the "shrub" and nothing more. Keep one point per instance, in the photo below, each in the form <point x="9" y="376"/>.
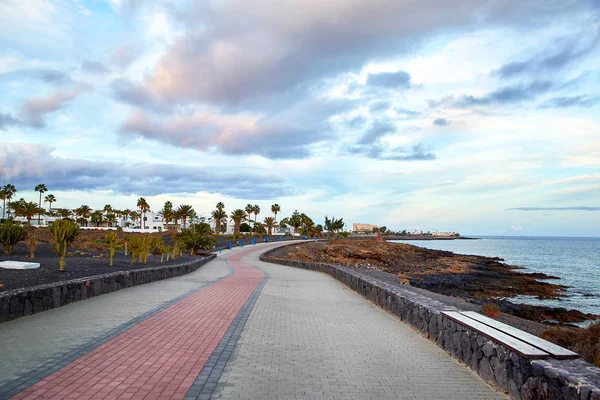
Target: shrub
<point x="490" y="310"/>
<point x="196" y="237"/>
<point x="64" y="231"/>
<point x="11" y="234"/>
<point x="585" y="342"/>
<point x="140" y="247"/>
<point x="112" y="238"/>
<point x="158" y="247"/>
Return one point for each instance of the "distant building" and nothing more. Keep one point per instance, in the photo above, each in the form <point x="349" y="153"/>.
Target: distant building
<point x="436" y="233"/>
<point x="358" y="227"/>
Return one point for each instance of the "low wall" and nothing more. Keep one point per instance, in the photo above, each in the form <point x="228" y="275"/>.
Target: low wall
<point x="22" y="302"/>
<point x="502" y="368"/>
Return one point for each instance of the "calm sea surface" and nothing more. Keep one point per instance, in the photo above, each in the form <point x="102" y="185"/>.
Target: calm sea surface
<point x="575" y="260"/>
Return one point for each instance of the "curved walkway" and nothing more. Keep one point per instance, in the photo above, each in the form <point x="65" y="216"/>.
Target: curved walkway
<point x="306" y="336"/>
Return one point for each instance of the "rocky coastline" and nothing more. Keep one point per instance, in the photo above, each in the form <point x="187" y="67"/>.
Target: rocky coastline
<point x="476" y="279"/>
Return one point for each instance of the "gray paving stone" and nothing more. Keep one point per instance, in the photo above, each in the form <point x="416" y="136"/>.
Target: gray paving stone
<point x="309" y="336"/>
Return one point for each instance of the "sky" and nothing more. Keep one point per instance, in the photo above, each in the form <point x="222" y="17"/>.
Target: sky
<point x="476" y="116"/>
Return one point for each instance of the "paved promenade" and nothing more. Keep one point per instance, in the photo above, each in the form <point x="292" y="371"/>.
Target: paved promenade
<point x="235" y="329"/>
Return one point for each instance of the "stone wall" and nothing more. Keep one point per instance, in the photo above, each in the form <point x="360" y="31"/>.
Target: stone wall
<point x="22" y="302"/>
<point x="502" y="368"/>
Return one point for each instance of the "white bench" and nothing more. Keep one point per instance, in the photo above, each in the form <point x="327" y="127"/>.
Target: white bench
<point x="523" y="343"/>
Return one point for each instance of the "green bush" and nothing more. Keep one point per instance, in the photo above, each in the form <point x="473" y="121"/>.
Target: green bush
<point x="10" y="235"/>
<point x="196" y="237"/>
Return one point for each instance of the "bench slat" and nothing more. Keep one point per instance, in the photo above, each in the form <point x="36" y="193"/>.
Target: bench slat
<point x="555" y="350"/>
<point x="524" y="349"/>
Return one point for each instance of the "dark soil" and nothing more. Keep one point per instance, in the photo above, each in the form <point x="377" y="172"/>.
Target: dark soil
<point x="473" y="278"/>
<point x="80" y="264"/>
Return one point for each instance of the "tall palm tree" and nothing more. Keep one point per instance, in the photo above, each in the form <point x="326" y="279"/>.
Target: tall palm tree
<point x="237" y="216"/>
<point x="83" y="213"/>
<point x="256" y="211"/>
<point x="270" y="223"/>
<point x="184" y="212"/>
<point x="107" y="209"/>
<point x="97" y="217"/>
<point x="275" y="208"/>
<point x="220" y="206"/>
<point x="144" y="207"/>
<point x="249" y="209"/>
<point x="42" y="189"/>
<point x="218" y="215"/>
<point x="9" y="191"/>
<point x="167" y="213"/>
<point x="50" y="199"/>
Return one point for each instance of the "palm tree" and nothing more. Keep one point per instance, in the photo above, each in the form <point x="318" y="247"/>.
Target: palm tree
<point x="184" y="212"/>
<point x="83" y="213"/>
<point x="295" y="220"/>
<point x="42" y="189"/>
<point x="107" y="208"/>
<point x="307" y="224"/>
<point x="126" y="213"/>
<point x="97" y="217"/>
<point x="167" y="213"/>
<point x="333" y="225"/>
<point x="27" y="209"/>
<point x="9" y="191"/>
<point x="144" y="207"/>
<point x="218" y="215"/>
<point x="270" y="223"/>
<point x="275" y="208"/>
<point x="220" y="206"/>
<point x="110" y="219"/>
<point x="256" y="211"/>
<point x="249" y="209"/>
<point x="237" y="216"/>
<point x="50" y="199"/>
<point x="135" y="215"/>
<point x="63" y="212"/>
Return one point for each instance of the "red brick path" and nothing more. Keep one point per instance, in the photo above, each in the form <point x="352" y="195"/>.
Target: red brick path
<point x="161" y="357"/>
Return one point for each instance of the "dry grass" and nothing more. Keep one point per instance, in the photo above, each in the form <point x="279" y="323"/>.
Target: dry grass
<point x="586" y="342"/>
<point x="490" y="310"/>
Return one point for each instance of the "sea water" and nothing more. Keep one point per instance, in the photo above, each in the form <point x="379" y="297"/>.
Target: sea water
<point x="576" y="261"/>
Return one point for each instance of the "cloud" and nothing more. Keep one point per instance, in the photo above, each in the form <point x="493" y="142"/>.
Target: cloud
<point x="281" y="136"/>
<point x="379" y="106"/>
<point x="46" y="75"/>
<point x="35" y="109"/>
<point x="377" y="130"/>
<point x="125" y="54"/>
<point x="572" y="101"/>
<point x="7" y="120"/>
<point x="235" y="53"/>
<point x="441" y="122"/>
<point x="561" y="53"/>
<point x="580" y="208"/>
<point x="27" y="164"/>
<point x="506" y="95"/>
<point x="417" y="152"/>
<point x="94" y="67"/>
<point x="391" y="80"/>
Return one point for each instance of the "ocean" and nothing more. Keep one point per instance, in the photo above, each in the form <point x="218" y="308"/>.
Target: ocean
<point x="575" y="260"/>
